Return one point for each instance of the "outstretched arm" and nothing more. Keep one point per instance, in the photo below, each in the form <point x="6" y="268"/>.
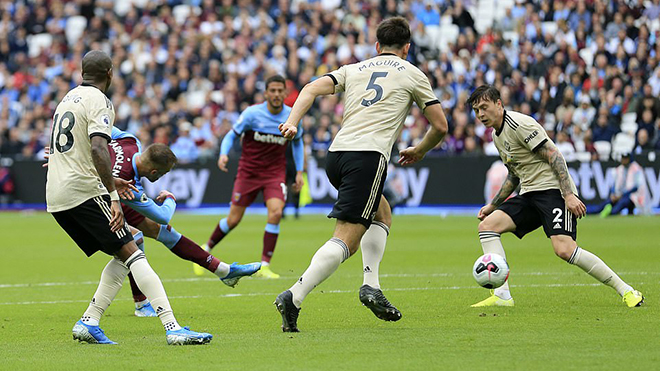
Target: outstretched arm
<point x="552" y="156"/>
<point x="321" y="86"/>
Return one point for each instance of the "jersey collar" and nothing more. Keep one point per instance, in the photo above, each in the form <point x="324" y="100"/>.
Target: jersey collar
<point x="498" y="132"/>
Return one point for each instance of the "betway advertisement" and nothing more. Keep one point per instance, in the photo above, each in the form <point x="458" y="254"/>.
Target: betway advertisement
<point x="434" y="181"/>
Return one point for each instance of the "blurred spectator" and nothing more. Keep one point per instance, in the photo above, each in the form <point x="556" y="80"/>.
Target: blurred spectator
<point x="204" y="68"/>
<point x="184" y="147"/>
<point x="565" y="147"/>
<point x="629" y="191"/>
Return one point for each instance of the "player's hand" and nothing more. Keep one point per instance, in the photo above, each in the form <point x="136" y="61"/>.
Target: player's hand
<point x="409" y="156"/>
<point x="46" y="156"/>
<point x="485" y="211"/>
<point x="575" y="206"/>
<point x="163" y="195"/>
<point x="125" y="188"/>
<point x="117" y="220"/>
<point x="288" y="131"/>
<point x="222" y="162"/>
<point x="300" y="182"/>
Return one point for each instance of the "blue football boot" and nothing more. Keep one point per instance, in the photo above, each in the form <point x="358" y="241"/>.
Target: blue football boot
<point x="145" y="310"/>
<point x="90" y="334"/>
<point x="238" y="271"/>
<point x="185" y="336"/>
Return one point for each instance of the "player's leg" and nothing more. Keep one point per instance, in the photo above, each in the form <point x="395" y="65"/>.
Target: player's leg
<point x="87" y="224"/>
<point x="596" y="209"/>
<point x="516" y="215"/>
<point x="490" y="230"/>
<point x="373" y="248"/>
<point x="225" y="225"/>
<point x="560" y="225"/>
<point x="142" y="306"/>
<point x="326" y="260"/>
<point x="275" y="198"/>
<point x="359" y="178"/>
<point x="236" y="212"/>
<point x="567" y="249"/>
<point x="623" y="203"/>
<point x="186" y="249"/>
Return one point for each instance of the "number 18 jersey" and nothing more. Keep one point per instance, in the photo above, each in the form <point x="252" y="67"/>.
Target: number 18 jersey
<point x="378" y="95"/>
<point x="72" y="178"/>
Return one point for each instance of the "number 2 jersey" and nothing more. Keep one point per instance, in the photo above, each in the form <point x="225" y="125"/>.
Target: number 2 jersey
<point x="72" y="179"/>
<point x="378" y="95"/>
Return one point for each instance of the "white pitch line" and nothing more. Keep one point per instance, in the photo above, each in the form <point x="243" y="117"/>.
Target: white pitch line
<point x="321" y="291"/>
<point x="393" y="275"/>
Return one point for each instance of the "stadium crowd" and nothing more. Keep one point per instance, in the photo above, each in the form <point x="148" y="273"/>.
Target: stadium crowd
<point x="184" y="70"/>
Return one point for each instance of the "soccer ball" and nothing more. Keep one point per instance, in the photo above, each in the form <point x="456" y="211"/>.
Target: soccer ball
<point x="490" y="271"/>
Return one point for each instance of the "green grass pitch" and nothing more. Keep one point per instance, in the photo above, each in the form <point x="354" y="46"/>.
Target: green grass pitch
<point x="563" y="319"/>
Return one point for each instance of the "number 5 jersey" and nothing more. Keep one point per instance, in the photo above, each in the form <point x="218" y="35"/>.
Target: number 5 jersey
<point x="378" y="95"/>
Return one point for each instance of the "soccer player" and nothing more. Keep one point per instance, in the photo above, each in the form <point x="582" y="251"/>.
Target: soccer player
<point x="81" y="196"/>
<point x="378" y="95"/>
<point x="130" y="163"/>
<point x="261" y="168"/>
<point x="548" y="197"/>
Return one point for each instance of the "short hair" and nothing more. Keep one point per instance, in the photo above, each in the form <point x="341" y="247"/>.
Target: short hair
<point x="483" y="93"/>
<point x="393" y="32"/>
<point x="95" y="65"/>
<point x="160" y="156"/>
<point x="275" y="78"/>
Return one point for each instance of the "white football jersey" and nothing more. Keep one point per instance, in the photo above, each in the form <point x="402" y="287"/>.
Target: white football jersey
<point x="72" y="178"/>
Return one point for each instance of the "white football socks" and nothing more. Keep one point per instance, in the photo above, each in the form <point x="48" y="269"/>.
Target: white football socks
<point x="112" y="278"/>
<point x="149" y="283"/>
<point x="223" y="270"/>
<point x="373" y="247"/>
<point x="491" y="244"/>
<point x="597" y="269"/>
<point x="326" y="260"/>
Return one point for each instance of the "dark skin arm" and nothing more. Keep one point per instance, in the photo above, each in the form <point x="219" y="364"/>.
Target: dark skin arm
<point x="103" y="165"/>
<point x="552" y="156"/>
<point x="509" y="185"/>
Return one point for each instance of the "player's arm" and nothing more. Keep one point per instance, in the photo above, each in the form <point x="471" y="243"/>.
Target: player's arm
<point x="225" y="147"/>
<point x="144" y="205"/>
<point x="549" y="152"/>
<point x="510" y="184"/>
<point x="103" y="165"/>
<point x="433" y="136"/>
<point x="322" y="86"/>
<point x="299" y="159"/>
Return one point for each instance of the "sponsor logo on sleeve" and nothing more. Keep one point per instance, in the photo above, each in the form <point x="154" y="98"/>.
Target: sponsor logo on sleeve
<point x="105" y="119"/>
<point x="531" y="136"/>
